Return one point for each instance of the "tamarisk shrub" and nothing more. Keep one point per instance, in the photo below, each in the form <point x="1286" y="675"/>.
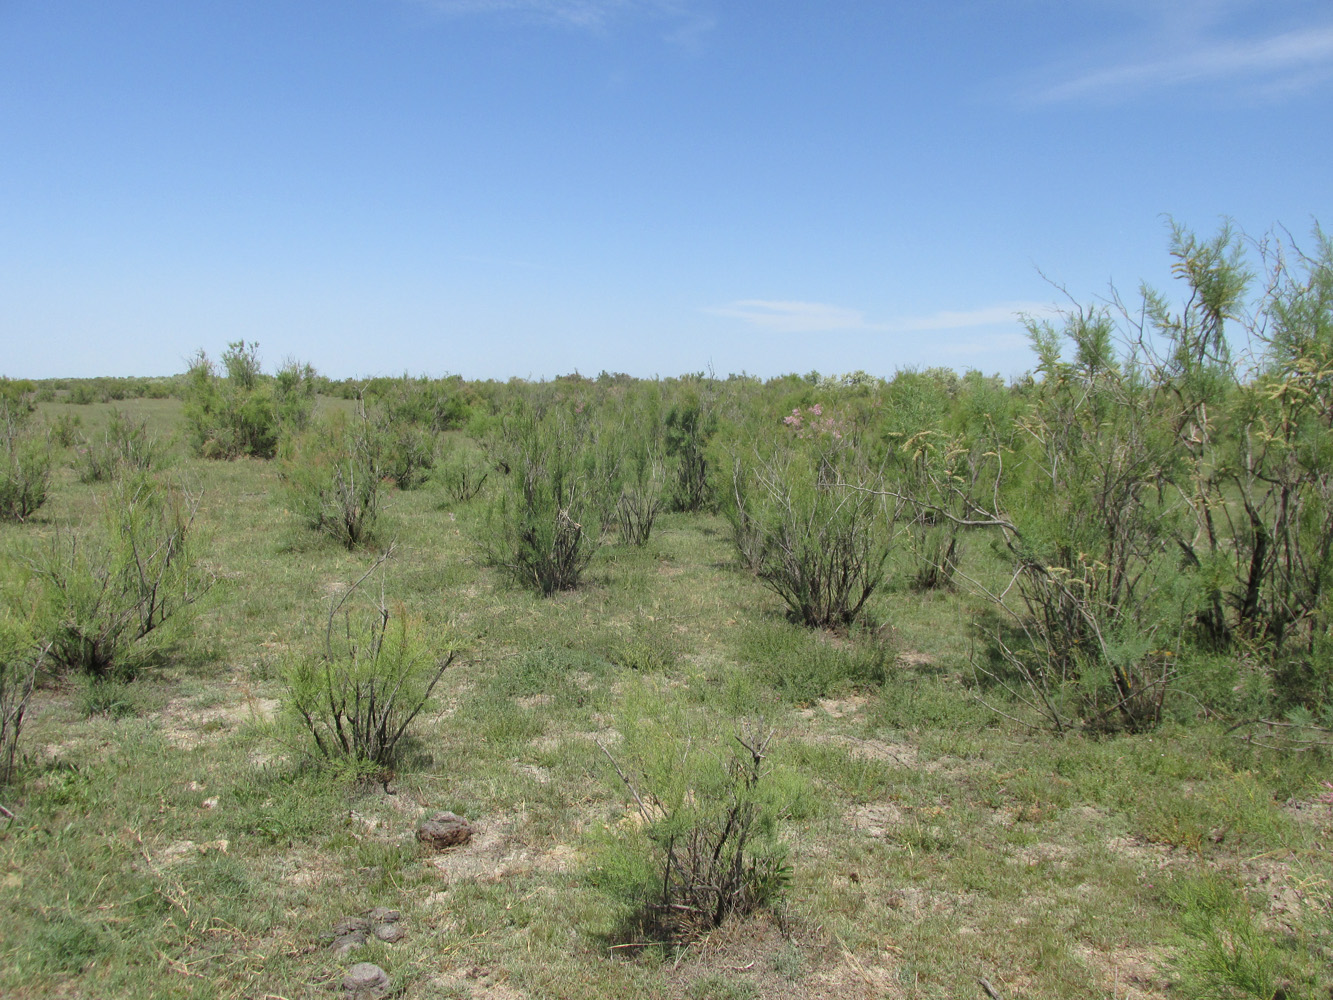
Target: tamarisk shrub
<point x="25" y="458"/>
<point x="707" y="827"/>
<point x="333" y="477"/>
<point x="818" y="525"/>
<point x="103" y="592"/>
<point x="542" y="527"/>
<point x="21" y="658"/>
<point x="244" y="412"/>
<point x="358" y="695"/>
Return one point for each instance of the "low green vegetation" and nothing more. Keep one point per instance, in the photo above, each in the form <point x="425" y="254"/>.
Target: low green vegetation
<point x="25" y="465"/>
<point x="808" y="687"/>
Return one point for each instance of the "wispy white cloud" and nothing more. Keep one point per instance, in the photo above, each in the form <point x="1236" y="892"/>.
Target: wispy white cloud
<point x="580" y="13"/>
<point x="782" y="316"/>
<point x="1000" y="313"/>
<point x="686" y="26"/>
<point x="1272" y="65"/>
<point x="792" y="317"/>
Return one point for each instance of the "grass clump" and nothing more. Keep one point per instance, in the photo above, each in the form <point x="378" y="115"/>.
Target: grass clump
<point x="803" y="666"/>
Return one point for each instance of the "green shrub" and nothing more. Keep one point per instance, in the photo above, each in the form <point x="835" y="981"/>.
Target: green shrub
<point x="740" y="508"/>
<point x="939" y="473"/>
<point x="359" y="694"/>
<point x="463" y="472"/>
<point x="25" y="459"/>
<point x="125" y="447"/>
<point x="102" y="593"/>
<point x="25" y="477"/>
<point x="409" y="454"/>
<point x="821" y="540"/>
<point x="20" y="660"/>
<point x="541" y="529"/>
<point x="708" y="821"/>
<point x="688" y="428"/>
<point x="333" y="474"/>
<point x="641" y="490"/>
<point x="65" y="430"/>
<point x="1102" y="606"/>
<point x="244" y="413"/>
<point x="434" y="405"/>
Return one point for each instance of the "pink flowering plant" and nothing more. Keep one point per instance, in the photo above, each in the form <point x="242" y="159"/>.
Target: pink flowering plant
<point x="813" y="423"/>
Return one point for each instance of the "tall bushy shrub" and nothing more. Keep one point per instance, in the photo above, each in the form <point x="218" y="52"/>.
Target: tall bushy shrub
<point x="411" y="414"/>
<point x="1264" y="487"/>
<point x="542" y="526"/>
<point x="1160" y="500"/>
<point x="688" y="428"/>
<point x="244" y="413"/>
<point x="1089" y="528"/>
<point x="359" y="694"/>
<point x="105" y="591"/>
<point x="333" y="474"/>
<point x="1259" y="450"/>
<point x="25" y="456"/>
<point x="818" y="524"/>
<point x="436" y="405"/>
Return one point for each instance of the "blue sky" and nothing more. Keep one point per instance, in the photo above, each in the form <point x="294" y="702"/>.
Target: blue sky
<point x="526" y="188"/>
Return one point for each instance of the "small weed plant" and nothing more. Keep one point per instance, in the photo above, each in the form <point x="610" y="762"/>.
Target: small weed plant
<point x="1229" y="952"/>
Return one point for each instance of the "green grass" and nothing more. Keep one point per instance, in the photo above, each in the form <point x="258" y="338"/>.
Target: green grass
<point x="174" y="838"/>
